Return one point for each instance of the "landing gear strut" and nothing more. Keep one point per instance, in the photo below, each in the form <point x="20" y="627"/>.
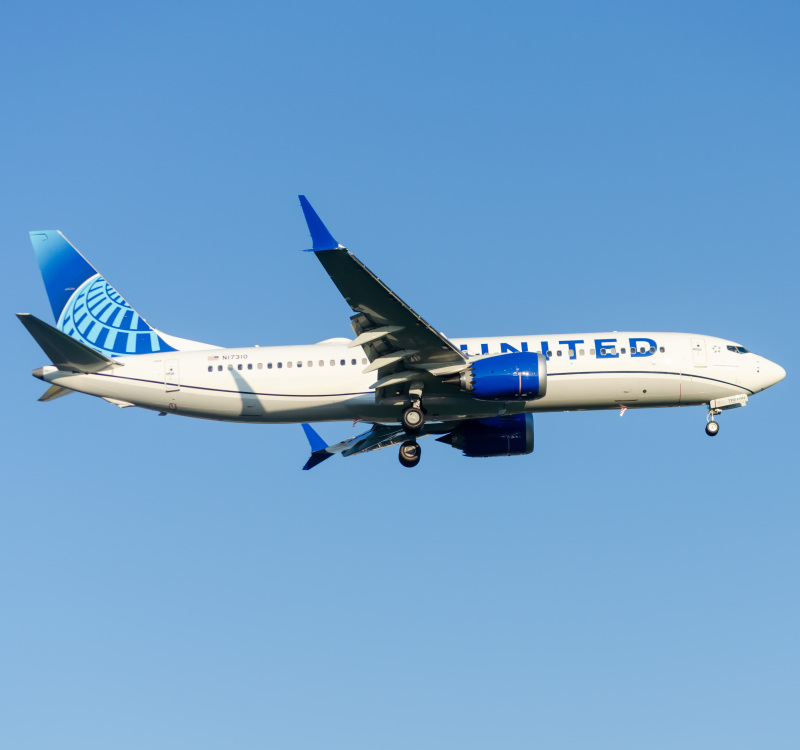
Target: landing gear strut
<point x="410" y="453"/>
<point x="413" y="417"/>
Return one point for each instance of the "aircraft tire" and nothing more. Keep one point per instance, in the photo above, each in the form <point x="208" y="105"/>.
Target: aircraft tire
<point x="712" y="428"/>
<point x="413" y="419"/>
<point x="410" y="454"/>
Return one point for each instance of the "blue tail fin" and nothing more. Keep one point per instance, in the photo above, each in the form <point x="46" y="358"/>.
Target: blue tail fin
<point x="86" y="306"/>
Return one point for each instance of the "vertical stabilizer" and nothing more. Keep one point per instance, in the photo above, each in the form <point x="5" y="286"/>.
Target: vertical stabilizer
<point x="87" y="308"/>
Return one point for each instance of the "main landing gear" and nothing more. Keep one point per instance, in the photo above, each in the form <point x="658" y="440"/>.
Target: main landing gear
<point x="413" y="417"/>
<point x="413" y="420"/>
<point x="410" y="453"/>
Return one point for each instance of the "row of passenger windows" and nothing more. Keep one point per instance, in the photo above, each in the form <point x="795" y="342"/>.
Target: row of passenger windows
<point x="343" y="362"/>
<point x="609" y="352"/>
<point x="279" y="365"/>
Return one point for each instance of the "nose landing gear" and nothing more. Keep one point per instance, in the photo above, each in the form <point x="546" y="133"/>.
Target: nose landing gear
<point x="712" y="427"/>
<point x="410" y="453"/>
<point x="717" y="406"/>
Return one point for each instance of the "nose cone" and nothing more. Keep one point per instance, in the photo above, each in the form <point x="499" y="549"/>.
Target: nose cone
<point x="771" y="373"/>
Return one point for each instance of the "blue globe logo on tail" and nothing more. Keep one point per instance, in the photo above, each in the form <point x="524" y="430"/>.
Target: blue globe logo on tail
<point x="97" y="315"/>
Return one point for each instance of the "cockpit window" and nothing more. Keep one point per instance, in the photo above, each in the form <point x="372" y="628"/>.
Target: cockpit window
<point x="737" y="349"/>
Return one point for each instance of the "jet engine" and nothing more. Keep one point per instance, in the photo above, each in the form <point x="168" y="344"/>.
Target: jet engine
<point x="506" y="377"/>
<point x="496" y="436"/>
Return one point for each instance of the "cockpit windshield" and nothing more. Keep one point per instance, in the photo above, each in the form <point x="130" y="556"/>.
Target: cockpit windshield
<point x="737" y="349"/>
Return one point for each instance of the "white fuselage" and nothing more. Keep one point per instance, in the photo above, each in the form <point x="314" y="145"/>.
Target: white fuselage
<point x="324" y="382"/>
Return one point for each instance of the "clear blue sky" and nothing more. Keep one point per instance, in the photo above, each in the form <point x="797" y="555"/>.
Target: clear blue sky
<point x="521" y="168"/>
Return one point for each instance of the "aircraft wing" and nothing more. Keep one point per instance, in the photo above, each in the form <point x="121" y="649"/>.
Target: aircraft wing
<point x="400" y="345"/>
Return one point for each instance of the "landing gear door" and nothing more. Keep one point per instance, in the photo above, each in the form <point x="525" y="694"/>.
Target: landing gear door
<point x="172" y="377"/>
<point x="699" y="358"/>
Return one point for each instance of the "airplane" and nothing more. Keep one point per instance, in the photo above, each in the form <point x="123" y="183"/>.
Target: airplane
<point x="398" y="376"/>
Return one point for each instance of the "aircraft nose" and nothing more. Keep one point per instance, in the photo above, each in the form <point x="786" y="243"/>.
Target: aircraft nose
<point x="771" y="373"/>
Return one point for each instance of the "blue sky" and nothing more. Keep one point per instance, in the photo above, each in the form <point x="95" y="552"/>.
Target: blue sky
<point x="520" y="168"/>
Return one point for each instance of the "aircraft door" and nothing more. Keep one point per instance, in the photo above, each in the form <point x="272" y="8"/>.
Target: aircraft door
<point x="699" y="358"/>
<point x="172" y="377"/>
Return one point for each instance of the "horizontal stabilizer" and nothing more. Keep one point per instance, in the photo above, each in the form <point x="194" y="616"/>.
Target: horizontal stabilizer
<point x="65" y="352"/>
<point x="54" y="392"/>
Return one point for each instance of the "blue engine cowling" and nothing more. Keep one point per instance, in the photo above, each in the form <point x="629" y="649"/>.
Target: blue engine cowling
<point x="497" y="436"/>
<point x="506" y="377"/>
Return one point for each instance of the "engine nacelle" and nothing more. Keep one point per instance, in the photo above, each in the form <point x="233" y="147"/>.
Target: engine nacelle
<point x="506" y="377"/>
<point x="497" y="436"/>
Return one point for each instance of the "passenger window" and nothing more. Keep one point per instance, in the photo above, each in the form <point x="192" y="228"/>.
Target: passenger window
<point x="310" y="364"/>
<point x="260" y="365"/>
<point x="238" y="367"/>
<point x="661" y="350"/>
<point x="299" y="364"/>
<point x="602" y="352"/>
<point x="341" y="362"/>
<point x="322" y="363"/>
<point x="333" y="363"/>
<point x="622" y="351"/>
<point x="559" y="352"/>
<point x="581" y="352"/>
<point x="280" y="364"/>
<point x="211" y="368"/>
<point x="288" y="364"/>
<point x="641" y="350"/>
<point x="249" y="366"/>
<point x="230" y="367"/>
<point x="652" y="350"/>
<point x="219" y="367"/>
<point x="352" y="361"/>
<point x="591" y="351"/>
<point x="549" y="353"/>
<point x="363" y="360"/>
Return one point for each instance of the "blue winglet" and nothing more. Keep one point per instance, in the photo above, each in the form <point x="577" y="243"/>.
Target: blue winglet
<point x="321" y="238"/>
<point x="318" y="448"/>
<point x="314" y="440"/>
